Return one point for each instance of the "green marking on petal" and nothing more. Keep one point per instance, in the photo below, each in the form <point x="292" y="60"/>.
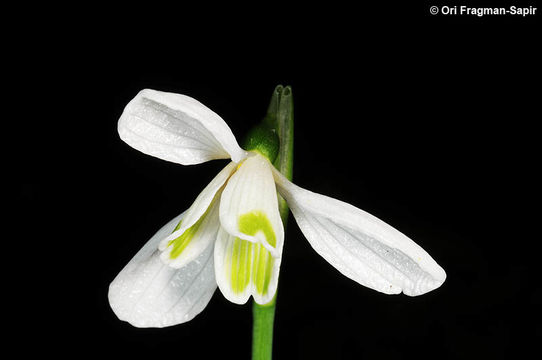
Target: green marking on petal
<point x="252" y="261"/>
<point x="180" y="243"/>
<point x="253" y="222"/>
<point x="241" y="262"/>
<point x="262" y="268"/>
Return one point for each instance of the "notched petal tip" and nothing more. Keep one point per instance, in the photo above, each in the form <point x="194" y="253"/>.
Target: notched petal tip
<point x="245" y="269"/>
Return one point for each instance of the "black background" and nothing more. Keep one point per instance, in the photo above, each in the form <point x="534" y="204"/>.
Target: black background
<point x="427" y="122"/>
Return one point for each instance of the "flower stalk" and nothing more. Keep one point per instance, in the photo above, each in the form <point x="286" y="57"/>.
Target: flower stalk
<point x="280" y="120"/>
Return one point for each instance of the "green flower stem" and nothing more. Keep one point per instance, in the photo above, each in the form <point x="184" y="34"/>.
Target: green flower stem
<point x="280" y="119"/>
<point x="263" y="317"/>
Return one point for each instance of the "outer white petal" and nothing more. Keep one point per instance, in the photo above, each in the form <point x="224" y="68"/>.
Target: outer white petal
<point x="251" y="189"/>
<point x="235" y="259"/>
<point x="176" y="128"/>
<point x="359" y="245"/>
<point x="148" y="293"/>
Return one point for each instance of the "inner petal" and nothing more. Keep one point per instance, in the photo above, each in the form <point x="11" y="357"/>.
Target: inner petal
<point x="249" y="205"/>
<point x="199" y="225"/>
<point x="245" y="269"/>
<point x="190" y="243"/>
<point x="180" y="243"/>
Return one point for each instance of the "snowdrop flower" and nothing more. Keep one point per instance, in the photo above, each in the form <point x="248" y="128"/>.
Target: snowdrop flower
<point x="232" y="236"/>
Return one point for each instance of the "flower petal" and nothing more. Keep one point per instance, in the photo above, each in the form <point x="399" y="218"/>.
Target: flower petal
<point x="202" y="203"/>
<point x="188" y="245"/>
<point x="359" y="245"/>
<point x="148" y="293"/>
<point x="249" y="206"/>
<point x="176" y="128"/>
<point x="199" y="225"/>
<point x="244" y="268"/>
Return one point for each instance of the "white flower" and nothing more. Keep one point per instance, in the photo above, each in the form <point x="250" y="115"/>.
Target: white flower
<point x="232" y="235"/>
